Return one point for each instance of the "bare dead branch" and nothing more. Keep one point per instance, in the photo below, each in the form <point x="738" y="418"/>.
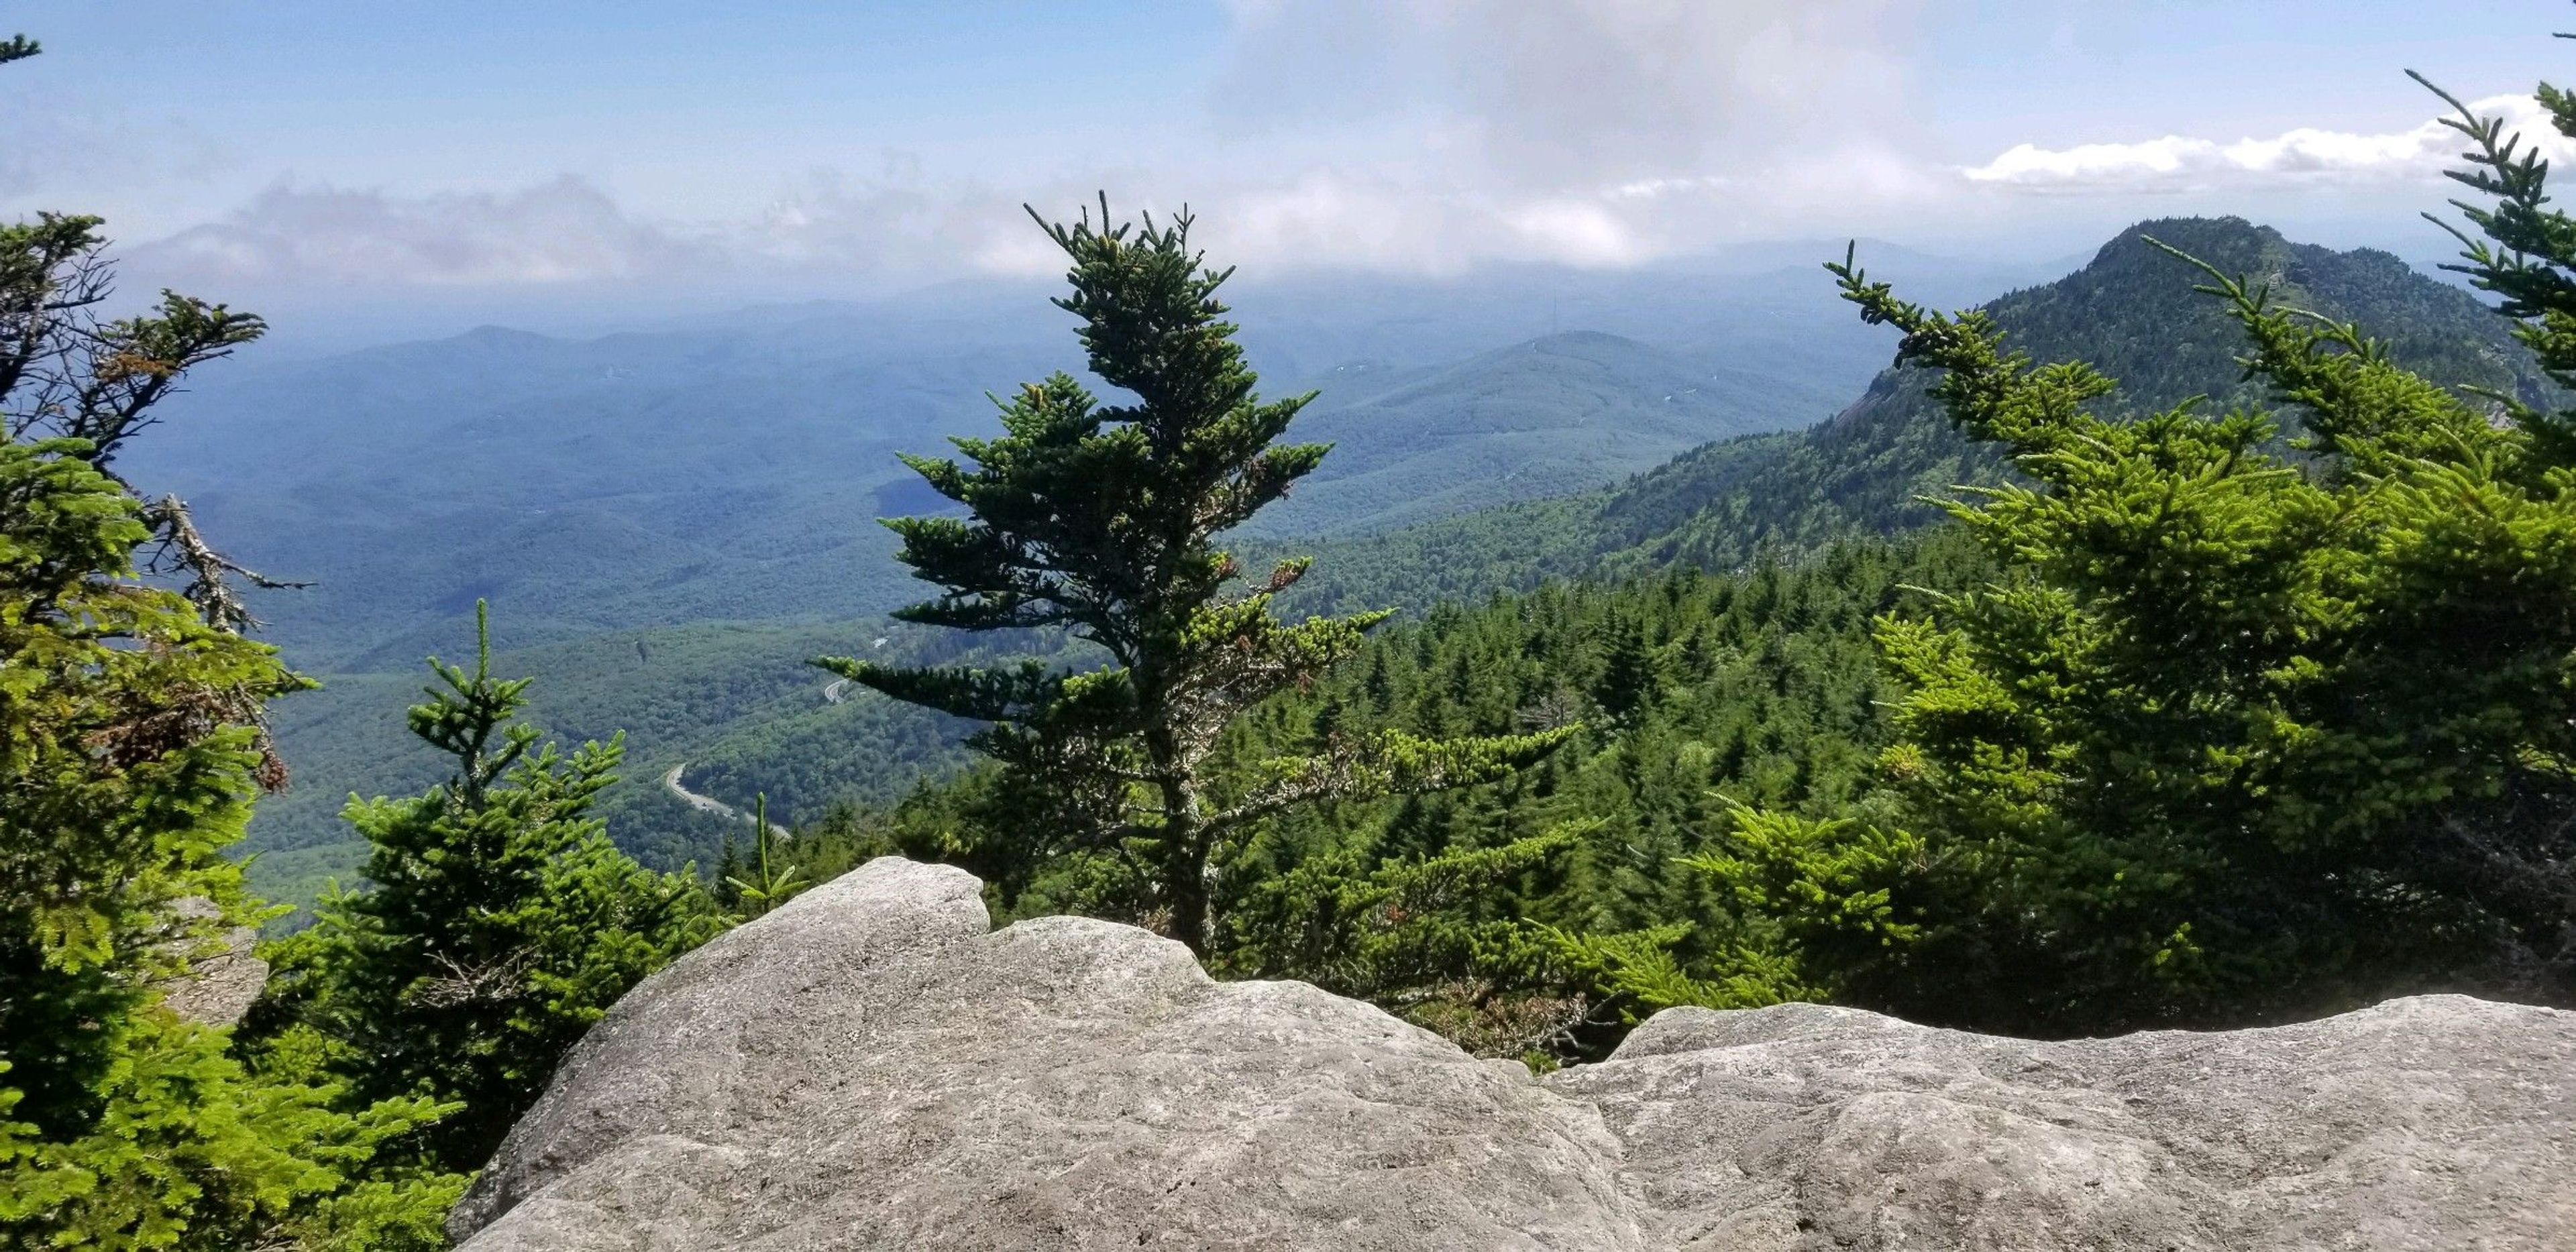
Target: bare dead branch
<point x="184" y="550"/>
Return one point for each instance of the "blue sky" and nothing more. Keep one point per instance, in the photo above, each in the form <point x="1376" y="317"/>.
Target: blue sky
<point x="286" y="145"/>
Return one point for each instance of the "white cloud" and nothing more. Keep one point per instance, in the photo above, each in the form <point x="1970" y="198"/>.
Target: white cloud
<point x="829" y="229"/>
<point x="568" y="231"/>
<point x="1361" y="220"/>
<point x="1405" y="135"/>
<point x="1413" y="135"/>
<point x="2181" y="163"/>
<point x="899" y="224"/>
<point x="563" y="231"/>
<point x="1433" y="135"/>
<point x="1556" y="95"/>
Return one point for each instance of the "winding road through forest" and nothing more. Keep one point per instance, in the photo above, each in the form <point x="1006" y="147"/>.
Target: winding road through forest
<point x="709" y="804"/>
<point x="832" y="693"/>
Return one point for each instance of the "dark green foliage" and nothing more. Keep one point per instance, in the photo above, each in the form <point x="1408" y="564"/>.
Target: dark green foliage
<point x="1824" y="882"/>
<point x="2242" y="735"/>
<point x="2244" y="732"/>
<point x="709" y="474"/>
<point x="1434" y="938"/>
<point x="1631" y="681"/>
<point x="1101" y="520"/>
<point x="2527" y="257"/>
<point x="130" y="748"/>
<point x="498" y="922"/>
<point x="1627" y="858"/>
<point x="753" y="885"/>
<point x="194" y="1147"/>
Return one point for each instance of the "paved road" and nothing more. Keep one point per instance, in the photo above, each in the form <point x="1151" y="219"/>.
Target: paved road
<point x="832" y="693"/>
<point x="708" y="804"/>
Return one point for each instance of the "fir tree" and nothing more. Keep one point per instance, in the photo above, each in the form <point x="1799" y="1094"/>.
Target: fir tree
<point x="1103" y="519"/>
<point x="2524" y="251"/>
<point x="1434" y="938"/>
<point x="499" y="921"/>
<point x="1631" y="677"/>
<point x="2244" y="734"/>
<point x="130" y="749"/>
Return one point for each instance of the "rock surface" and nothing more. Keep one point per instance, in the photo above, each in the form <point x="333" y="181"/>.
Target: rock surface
<point x="217" y="990"/>
<point x="2439" y="1122"/>
<point x="872" y="1067"/>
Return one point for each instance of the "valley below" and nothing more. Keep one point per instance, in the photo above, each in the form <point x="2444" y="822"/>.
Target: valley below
<point x="668" y="524"/>
<point x="675" y="530"/>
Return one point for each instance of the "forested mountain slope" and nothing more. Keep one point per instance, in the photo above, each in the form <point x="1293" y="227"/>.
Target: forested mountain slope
<point x="1761" y="665"/>
<point x="2131" y="311"/>
<point x="707" y="493"/>
<point x="1554" y="415"/>
<point x="732" y="469"/>
<point x="1694" y="692"/>
<point x="696" y="694"/>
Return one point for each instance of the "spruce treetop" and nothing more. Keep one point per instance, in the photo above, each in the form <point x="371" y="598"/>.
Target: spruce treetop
<point x="1082" y="506"/>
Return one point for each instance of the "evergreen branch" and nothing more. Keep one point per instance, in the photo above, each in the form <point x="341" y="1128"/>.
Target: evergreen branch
<point x="1389" y="763"/>
<point x="988" y="695"/>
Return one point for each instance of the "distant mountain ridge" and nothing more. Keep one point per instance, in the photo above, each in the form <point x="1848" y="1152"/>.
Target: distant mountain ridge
<point x="732" y="470"/>
<point x="608" y="494"/>
<point x="2131" y="311"/>
<point x="709" y="494"/>
<point x="1556" y="414"/>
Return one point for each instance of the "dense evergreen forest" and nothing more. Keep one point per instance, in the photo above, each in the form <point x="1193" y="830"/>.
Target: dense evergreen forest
<point x="689" y="521"/>
<point x="735" y="703"/>
<point x="1694" y="693"/>
<point x="2187" y="642"/>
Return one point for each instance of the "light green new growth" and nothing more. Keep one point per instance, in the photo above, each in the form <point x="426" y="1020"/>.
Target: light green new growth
<point x="772" y="887"/>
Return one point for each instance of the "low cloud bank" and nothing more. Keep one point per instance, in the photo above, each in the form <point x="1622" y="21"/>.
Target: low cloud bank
<point x="2182" y="163"/>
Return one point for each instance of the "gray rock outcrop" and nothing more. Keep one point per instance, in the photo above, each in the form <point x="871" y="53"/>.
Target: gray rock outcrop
<point x="217" y="989"/>
<point x="872" y="1067"/>
<point x="2438" y="1122"/>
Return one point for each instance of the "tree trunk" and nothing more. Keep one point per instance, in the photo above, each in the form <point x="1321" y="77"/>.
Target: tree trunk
<point x="1185" y="851"/>
<point x="1188" y="896"/>
<point x="1185" y="866"/>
